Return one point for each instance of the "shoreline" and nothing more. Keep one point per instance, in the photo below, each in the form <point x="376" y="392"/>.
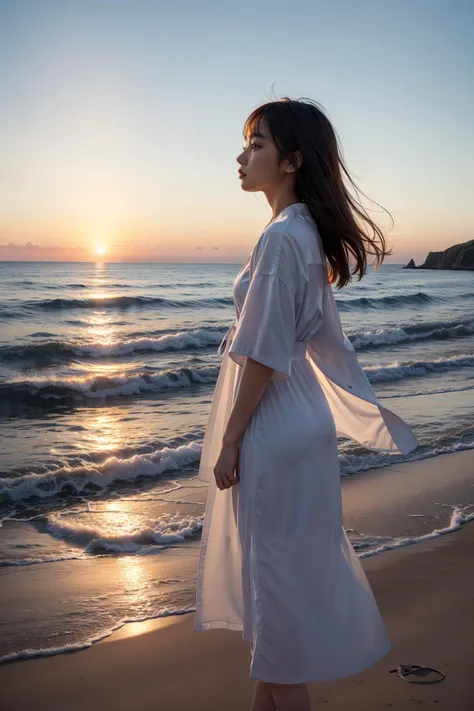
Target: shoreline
<point x="425" y="594"/>
<point x="432" y="574"/>
<point x="384" y="510"/>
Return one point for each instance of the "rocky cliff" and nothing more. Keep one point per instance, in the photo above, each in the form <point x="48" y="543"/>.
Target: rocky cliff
<point x="459" y="256"/>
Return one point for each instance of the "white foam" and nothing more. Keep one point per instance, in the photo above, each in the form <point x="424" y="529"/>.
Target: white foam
<point x="103" y="475"/>
<point x="393" y="336"/>
<point x="122" y="384"/>
<point x="200" y="338"/>
<point x="415" y="393"/>
<point x="353" y="463"/>
<point x="399" y="371"/>
<point x="53" y="651"/>
<point x="172" y="528"/>
<point x="458" y="519"/>
<point x="37" y="561"/>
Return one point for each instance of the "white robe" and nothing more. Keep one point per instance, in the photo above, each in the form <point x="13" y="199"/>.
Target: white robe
<point x="275" y="561"/>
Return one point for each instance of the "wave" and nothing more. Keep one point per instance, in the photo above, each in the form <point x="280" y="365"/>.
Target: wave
<point x="395" y="301"/>
<point x="62" y="287"/>
<point x="419" y="298"/>
<point x="77" y="646"/>
<point x="21" y="282"/>
<point x="202" y="338"/>
<point x="98" y="477"/>
<point x="437" y="330"/>
<point x="65" y="287"/>
<point x="440" y="391"/>
<point x="400" y="371"/>
<point x="6" y="314"/>
<point x="59" y="388"/>
<point x="205" y="337"/>
<point x="129" y="302"/>
<point x="188" y="285"/>
<point x="459" y="517"/>
<point x="96" y="387"/>
<point x="49" y="287"/>
<point x="198" y="338"/>
<point x="94" y="477"/>
<point x="355" y="459"/>
<point x="65" y="351"/>
<point x="6" y="563"/>
<point x="172" y="529"/>
<point x="124" y="302"/>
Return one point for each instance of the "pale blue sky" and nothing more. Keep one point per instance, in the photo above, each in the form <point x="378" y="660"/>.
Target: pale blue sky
<point x="122" y="119"/>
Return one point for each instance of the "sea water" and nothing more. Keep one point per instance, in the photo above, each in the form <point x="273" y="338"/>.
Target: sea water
<point x="106" y="378"/>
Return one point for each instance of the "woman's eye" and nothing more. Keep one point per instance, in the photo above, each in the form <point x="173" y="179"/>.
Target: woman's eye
<point x="252" y="145"/>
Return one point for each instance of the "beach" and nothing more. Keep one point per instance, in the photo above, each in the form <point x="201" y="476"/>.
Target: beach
<point x="102" y="416"/>
<point x="425" y="591"/>
<point x="181" y="194"/>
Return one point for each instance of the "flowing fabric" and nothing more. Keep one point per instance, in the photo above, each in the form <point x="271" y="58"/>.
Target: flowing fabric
<point x="275" y="561"/>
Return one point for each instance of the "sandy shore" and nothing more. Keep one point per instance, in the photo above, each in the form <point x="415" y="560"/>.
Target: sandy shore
<point x="426" y="596"/>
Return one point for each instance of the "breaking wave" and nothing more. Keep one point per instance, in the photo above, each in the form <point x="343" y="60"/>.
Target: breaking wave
<point x="66" y="351"/>
<point x="438" y="330"/>
<point x="395" y="301"/>
<point x="95" y="477"/>
<point x="400" y="371"/>
<point x="96" y="387"/>
<point x="124" y="302"/>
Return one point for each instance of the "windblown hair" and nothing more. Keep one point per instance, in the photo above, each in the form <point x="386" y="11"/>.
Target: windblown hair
<point x="297" y="125"/>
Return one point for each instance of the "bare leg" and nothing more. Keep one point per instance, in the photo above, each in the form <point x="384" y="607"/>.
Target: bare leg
<point x="290" y="697"/>
<point x="262" y="698"/>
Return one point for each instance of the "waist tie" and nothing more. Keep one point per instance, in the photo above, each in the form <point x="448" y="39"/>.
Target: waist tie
<point x="299" y="347"/>
<point x="226" y="340"/>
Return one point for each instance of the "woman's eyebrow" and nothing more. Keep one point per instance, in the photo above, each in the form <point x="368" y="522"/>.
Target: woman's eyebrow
<point x="257" y="135"/>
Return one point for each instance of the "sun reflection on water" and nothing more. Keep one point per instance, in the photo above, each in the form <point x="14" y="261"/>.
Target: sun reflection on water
<point x="100" y="326"/>
<point x="104" y="433"/>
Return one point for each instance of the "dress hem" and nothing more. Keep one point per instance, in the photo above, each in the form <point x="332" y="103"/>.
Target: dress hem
<point x="222" y="624"/>
<point x="281" y="679"/>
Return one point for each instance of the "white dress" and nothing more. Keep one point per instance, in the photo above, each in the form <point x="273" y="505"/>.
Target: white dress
<point x="275" y="561"/>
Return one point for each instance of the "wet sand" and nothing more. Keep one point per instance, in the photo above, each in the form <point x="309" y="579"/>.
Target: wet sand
<point x="425" y="593"/>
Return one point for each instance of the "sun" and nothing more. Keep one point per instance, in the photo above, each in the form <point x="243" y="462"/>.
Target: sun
<point x="100" y="249"/>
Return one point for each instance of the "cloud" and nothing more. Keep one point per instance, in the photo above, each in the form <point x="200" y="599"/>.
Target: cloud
<point x="29" y="251"/>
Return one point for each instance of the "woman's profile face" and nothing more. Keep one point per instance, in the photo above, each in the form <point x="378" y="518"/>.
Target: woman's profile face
<point x="259" y="162"/>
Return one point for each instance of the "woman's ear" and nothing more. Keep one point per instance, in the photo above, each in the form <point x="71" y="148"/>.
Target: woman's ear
<point x="290" y="168"/>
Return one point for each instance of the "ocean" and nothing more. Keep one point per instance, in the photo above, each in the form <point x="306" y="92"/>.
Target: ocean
<point x="107" y="374"/>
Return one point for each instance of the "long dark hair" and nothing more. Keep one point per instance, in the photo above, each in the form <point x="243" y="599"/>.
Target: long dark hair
<point x="301" y="125"/>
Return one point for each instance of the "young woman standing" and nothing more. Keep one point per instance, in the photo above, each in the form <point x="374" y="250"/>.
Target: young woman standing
<point x="275" y="561"/>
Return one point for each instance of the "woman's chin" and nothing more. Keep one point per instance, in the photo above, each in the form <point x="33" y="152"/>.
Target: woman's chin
<point x="244" y="184"/>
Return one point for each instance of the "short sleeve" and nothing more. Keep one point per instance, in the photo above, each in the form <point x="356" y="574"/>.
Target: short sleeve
<point x="265" y="330"/>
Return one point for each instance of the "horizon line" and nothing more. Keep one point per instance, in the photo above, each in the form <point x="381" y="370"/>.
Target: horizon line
<point x="96" y="261"/>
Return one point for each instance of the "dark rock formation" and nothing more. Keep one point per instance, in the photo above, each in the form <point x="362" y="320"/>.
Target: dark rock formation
<point x="459" y="256"/>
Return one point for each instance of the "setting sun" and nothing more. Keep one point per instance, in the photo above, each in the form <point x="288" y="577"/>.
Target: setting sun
<point x="100" y="249"/>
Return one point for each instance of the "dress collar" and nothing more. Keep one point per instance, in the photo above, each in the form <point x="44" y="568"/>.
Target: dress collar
<point x="299" y="208"/>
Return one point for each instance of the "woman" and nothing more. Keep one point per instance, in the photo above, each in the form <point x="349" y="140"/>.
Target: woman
<point x="275" y="561"/>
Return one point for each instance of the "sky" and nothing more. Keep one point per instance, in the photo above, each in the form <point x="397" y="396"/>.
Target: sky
<point x="121" y="120"/>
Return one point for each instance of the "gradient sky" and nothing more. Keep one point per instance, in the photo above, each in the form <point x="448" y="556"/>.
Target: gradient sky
<point x="121" y="120"/>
